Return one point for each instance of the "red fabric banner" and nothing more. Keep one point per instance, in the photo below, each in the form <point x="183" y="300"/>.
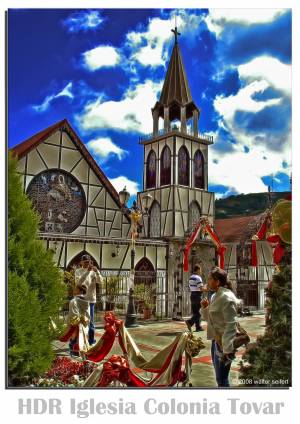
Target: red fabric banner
<point x="188" y="247"/>
<point x="71" y="331"/>
<point x="220" y="248"/>
<point x="258" y="236"/>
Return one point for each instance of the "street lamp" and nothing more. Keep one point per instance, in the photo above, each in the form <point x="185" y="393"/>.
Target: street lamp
<point x="134" y="213"/>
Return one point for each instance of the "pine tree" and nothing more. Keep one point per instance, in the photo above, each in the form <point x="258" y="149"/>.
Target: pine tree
<point x="269" y="359"/>
<point x="35" y="287"/>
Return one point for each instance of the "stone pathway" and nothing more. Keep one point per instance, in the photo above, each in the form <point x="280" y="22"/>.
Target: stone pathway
<point x="151" y="337"/>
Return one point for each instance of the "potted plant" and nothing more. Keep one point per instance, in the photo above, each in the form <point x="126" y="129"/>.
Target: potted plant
<point x="112" y="290"/>
<point x="145" y="296"/>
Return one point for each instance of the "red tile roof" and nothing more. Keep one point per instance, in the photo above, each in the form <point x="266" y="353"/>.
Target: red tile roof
<point x="234" y="229"/>
<point x="31" y="143"/>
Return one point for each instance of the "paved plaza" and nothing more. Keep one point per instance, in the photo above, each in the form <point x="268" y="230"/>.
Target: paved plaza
<point x="151" y="337"/>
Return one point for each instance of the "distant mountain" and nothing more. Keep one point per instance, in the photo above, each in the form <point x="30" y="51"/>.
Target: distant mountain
<point x="245" y="204"/>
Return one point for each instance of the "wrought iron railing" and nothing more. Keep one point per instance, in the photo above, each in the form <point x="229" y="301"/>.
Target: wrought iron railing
<point x="164" y="131"/>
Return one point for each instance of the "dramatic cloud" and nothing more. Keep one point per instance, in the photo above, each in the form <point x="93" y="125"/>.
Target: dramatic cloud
<point x="149" y="47"/>
<point x="131" y="113"/>
<point x="244" y="172"/>
<point x="120" y="182"/>
<point x="65" y="92"/>
<point x="270" y="69"/>
<point x="218" y="19"/>
<point x="104" y="147"/>
<point x="83" y="21"/>
<point x="101" y="57"/>
<point x="243" y="100"/>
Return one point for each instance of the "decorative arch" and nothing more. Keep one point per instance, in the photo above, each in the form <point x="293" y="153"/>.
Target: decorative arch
<point x="74" y="262"/>
<point x="144" y="272"/>
<point x="198" y="169"/>
<point x="194" y="214"/>
<point x="165" y="166"/>
<point x="183" y="166"/>
<point x="154" y="221"/>
<point x="151" y="170"/>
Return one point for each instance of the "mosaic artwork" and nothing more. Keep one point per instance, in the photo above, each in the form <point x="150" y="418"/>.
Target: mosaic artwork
<point x="59" y="199"/>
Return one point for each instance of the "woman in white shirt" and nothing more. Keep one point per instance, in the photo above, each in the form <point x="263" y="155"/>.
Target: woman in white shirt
<point x="220" y="314"/>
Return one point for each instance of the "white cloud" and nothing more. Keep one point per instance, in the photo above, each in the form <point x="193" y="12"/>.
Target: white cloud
<point x="101" y="57"/>
<point x="83" y="21"/>
<point x="104" y="147"/>
<point x="131" y="113"/>
<point x="227" y="106"/>
<point x="242" y="172"/>
<point x="65" y="92"/>
<point x="270" y="69"/>
<point x="217" y="19"/>
<point x="120" y="182"/>
<point x="150" y="47"/>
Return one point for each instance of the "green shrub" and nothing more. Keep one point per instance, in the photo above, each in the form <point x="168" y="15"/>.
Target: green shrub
<point x="35" y="287"/>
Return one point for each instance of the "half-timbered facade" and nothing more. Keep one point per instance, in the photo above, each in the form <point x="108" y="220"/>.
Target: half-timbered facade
<point x="81" y="212"/>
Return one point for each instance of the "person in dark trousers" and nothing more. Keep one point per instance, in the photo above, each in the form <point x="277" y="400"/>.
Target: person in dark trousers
<point x="196" y="288"/>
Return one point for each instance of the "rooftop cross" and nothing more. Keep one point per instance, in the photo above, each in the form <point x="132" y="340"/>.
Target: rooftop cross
<point x="176" y="33"/>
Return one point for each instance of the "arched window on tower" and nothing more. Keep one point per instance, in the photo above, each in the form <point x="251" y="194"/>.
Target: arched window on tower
<point x="198" y="169"/>
<point x="154" y="221"/>
<point x="165" y="166"/>
<point x="183" y="166"/>
<point x="194" y="215"/>
<point x="151" y="170"/>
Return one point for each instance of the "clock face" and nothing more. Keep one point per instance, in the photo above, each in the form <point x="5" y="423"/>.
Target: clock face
<point x="59" y="199"/>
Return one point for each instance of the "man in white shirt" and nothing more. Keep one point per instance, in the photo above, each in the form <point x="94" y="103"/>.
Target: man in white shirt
<point x="196" y="288"/>
<point x="89" y="275"/>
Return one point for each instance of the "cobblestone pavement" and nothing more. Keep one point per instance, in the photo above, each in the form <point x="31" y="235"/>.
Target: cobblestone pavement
<point x="151" y="337"/>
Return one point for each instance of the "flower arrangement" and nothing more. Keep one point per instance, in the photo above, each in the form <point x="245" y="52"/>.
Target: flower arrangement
<point x="66" y="372"/>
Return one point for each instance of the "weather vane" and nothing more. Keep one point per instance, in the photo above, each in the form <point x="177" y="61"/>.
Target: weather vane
<point x="176" y="33"/>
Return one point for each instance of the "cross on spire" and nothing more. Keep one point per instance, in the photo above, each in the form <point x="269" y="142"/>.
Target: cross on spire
<point x="176" y="33"/>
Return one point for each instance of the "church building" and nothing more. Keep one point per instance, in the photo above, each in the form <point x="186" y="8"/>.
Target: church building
<point x="81" y="211"/>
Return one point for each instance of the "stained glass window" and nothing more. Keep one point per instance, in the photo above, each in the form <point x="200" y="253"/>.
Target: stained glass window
<point x="194" y="214"/>
<point x="198" y="170"/>
<point x="165" y="166"/>
<point x="155" y="220"/>
<point x="183" y="166"/>
<point x="59" y="199"/>
<point x="151" y="170"/>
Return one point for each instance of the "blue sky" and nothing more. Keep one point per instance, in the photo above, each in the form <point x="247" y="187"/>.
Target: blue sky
<point x="103" y="70"/>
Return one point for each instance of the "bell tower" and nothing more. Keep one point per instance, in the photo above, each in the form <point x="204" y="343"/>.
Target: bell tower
<point x="175" y="159"/>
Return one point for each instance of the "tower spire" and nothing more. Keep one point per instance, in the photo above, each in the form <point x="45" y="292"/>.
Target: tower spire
<point x="176" y="102"/>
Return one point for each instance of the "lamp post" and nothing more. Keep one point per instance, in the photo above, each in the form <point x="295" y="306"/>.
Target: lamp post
<point x="135" y="214"/>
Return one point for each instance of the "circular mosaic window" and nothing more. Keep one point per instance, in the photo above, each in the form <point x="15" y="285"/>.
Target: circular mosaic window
<point x="59" y="199"/>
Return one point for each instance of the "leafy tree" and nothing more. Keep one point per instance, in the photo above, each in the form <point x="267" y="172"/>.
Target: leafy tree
<point x="35" y="287"/>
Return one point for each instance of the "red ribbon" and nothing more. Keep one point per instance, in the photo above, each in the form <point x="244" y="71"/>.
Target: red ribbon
<point x="220" y="248"/>
<point x="279" y="249"/>
<point x="104" y="345"/>
<point x="260" y="235"/>
<point x="188" y="247"/>
<point x="69" y="333"/>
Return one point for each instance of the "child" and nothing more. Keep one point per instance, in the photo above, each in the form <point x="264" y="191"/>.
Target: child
<point x="79" y="317"/>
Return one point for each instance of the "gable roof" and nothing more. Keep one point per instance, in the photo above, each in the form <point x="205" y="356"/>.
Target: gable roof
<point x="31" y="143"/>
<point x="238" y="229"/>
